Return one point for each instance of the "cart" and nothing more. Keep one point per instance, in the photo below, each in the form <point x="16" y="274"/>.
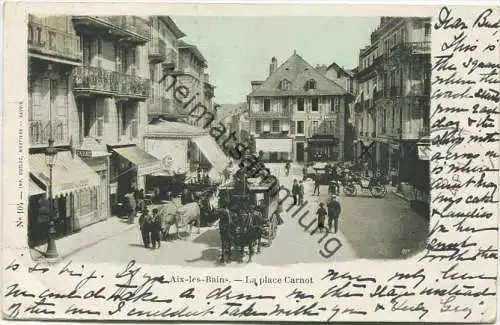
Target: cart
<point x="265" y="196"/>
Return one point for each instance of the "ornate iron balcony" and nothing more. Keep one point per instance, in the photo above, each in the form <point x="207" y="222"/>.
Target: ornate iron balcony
<point x="127" y="28"/>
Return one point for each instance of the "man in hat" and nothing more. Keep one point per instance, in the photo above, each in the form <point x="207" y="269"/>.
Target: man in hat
<point x="144" y="226"/>
<point x="155" y="229"/>
<point x="333" y="213"/>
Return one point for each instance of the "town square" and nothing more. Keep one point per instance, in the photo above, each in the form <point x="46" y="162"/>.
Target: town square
<point x="164" y="140"/>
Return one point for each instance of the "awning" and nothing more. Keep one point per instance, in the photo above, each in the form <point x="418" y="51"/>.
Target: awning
<point x="274" y="145"/>
<point x="34" y="189"/>
<point x="70" y="173"/>
<point x="214" y="154"/>
<point x="146" y="163"/>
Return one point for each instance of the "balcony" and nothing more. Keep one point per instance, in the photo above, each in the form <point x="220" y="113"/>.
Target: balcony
<point x="97" y="81"/>
<point x="411" y="48"/>
<point x="132" y="86"/>
<point x="270" y="114"/>
<point x="125" y="28"/>
<point x="40" y="133"/>
<point x="165" y="106"/>
<point x="52" y="43"/>
<point x="91" y="80"/>
<point x="170" y="62"/>
<point x="157" y="50"/>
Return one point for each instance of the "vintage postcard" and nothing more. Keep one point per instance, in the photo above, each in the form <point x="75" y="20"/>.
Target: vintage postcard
<point x="267" y="163"/>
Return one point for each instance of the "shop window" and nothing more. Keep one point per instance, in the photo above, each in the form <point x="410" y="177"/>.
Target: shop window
<point x="267" y="105"/>
<point x="300" y="104"/>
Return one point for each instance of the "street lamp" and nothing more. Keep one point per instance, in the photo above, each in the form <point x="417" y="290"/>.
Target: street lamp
<point x="50" y="160"/>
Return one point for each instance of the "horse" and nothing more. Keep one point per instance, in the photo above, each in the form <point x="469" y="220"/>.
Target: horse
<point x="168" y="216"/>
<point x="188" y="214"/>
<point x="238" y="229"/>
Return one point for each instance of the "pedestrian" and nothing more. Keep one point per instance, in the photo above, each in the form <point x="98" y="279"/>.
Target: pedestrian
<point x="279" y="212"/>
<point x="321" y="217"/>
<point x="333" y="213"/>
<point x="316" y="184"/>
<point x="301" y="192"/>
<point x="131" y="205"/>
<point x="295" y="191"/>
<point x="304" y="173"/>
<point x="155" y="229"/>
<point x="144" y="227"/>
<point x="287" y="168"/>
<point x="187" y="197"/>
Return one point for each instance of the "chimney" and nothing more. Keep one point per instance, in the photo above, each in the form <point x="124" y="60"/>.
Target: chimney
<point x="273" y="66"/>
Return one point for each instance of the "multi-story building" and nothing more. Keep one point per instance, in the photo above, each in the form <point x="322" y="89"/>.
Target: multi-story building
<point x="345" y="78"/>
<point x="87" y="83"/>
<point x="111" y="88"/>
<point x="297" y="113"/>
<point x="392" y="106"/>
<point x="163" y="61"/>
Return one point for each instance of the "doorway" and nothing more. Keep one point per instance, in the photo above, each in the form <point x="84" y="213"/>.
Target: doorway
<point x="300" y="151"/>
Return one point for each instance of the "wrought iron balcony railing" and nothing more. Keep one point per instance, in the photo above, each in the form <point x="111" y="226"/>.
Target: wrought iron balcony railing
<point x="411" y="48"/>
<point x="270" y="114"/>
<point x="95" y="80"/>
<point x="128" y="28"/>
<point x="100" y="81"/>
<point x="132" y="86"/>
<point x="42" y="131"/>
<point x="52" y="42"/>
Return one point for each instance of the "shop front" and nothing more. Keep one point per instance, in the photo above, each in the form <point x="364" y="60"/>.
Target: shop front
<point x="275" y="149"/>
<point x="129" y="167"/>
<point x="75" y="191"/>
<point x="322" y="148"/>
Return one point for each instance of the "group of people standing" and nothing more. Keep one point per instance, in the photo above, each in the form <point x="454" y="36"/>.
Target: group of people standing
<point x="150" y="226"/>
<point x="332" y="211"/>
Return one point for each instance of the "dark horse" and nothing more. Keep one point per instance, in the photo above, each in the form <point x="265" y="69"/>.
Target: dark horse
<point x="238" y="229"/>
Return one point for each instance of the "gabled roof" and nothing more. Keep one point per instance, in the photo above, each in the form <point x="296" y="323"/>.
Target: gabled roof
<point x="339" y="68"/>
<point x="298" y="72"/>
<point x="194" y="50"/>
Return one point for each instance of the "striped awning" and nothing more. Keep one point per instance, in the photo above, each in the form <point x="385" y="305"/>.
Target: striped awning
<point x="146" y="163"/>
<point x="70" y="173"/>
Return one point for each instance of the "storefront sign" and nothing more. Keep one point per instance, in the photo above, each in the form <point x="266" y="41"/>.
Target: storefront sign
<point x="84" y="153"/>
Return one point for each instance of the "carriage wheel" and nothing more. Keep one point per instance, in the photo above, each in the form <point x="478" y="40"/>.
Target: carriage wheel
<point x="378" y="191"/>
<point x="349" y="189"/>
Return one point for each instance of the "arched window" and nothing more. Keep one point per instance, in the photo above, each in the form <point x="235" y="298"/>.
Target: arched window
<point x="285" y="84"/>
<point x="311" y="84"/>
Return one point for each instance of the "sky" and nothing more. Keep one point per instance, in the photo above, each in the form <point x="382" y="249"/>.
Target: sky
<point x="239" y="49"/>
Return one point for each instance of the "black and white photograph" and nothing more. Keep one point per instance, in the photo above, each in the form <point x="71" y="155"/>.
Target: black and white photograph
<point x="307" y="156"/>
<point x="261" y="165"/>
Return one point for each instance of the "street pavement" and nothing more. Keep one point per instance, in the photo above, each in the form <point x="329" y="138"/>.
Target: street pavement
<point x="369" y="228"/>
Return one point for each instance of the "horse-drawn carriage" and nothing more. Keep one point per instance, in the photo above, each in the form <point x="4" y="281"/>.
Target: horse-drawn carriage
<point x="248" y="216"/>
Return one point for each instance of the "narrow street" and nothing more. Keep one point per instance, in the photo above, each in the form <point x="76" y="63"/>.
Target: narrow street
<point x="368" y="228"/>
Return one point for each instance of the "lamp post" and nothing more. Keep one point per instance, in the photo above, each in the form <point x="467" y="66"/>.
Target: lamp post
<point x="50" y="159"/>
